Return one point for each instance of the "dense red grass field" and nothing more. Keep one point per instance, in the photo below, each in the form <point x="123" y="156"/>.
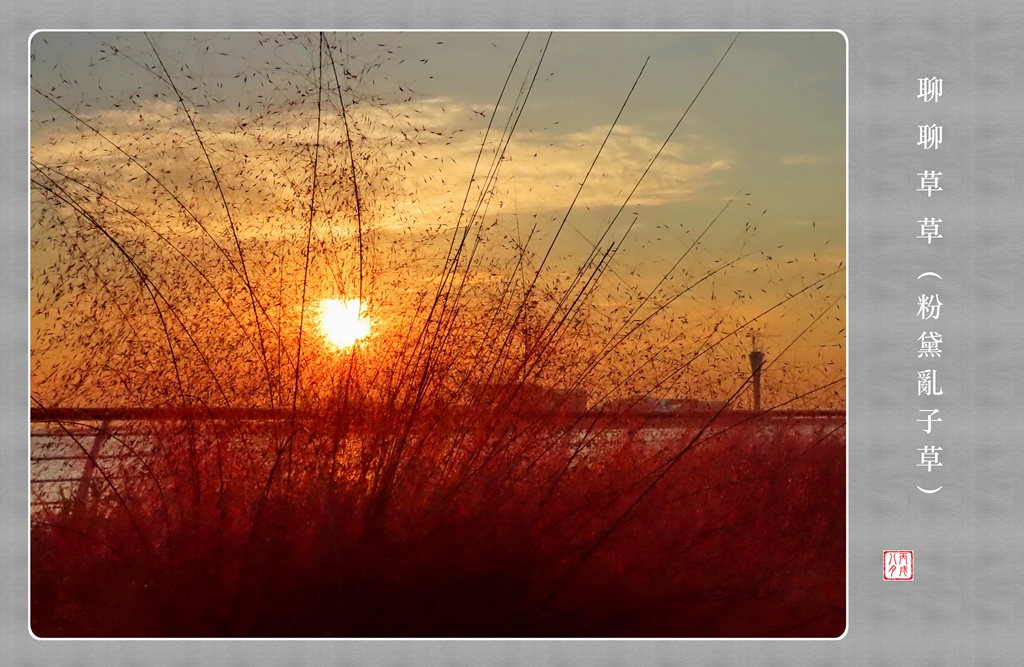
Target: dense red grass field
<point x="646" y="531"/>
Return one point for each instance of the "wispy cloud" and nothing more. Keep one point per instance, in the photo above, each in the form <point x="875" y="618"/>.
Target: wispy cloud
<point x="426" y="153"/>
<point x="802" y="159"/>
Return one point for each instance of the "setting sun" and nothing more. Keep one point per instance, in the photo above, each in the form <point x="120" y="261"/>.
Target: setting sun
<point x="343" y="322"/>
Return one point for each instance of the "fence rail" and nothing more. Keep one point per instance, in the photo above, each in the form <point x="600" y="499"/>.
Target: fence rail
<point x="56" y="415"/>
<point x="59" y="475"/>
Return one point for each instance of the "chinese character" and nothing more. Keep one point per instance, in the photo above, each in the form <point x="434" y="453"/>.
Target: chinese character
<point x="930" y="344"/>
<point x="901" y="561"/>
<point x="931" y="89"/>
<point x="926" y="383"/>
<point x="930" y="229"/>
<point x="929" y="457"/>
<point x="930" y="182"/>
<point x="930" y="418"/>
<point x="931" y="136"/>
<point x="928" y="306"/>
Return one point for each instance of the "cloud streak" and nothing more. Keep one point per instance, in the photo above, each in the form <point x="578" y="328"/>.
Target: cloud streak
<point x="802" y="159"/>
<point x="426" y="152"/>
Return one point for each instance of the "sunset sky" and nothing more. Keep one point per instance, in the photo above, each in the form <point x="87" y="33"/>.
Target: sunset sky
<point x="767" y="132"/>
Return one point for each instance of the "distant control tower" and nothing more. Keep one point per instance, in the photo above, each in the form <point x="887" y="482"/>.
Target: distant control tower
<point x="756" y="361"/>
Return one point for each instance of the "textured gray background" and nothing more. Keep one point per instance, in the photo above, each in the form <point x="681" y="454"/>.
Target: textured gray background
<point x="965" y="601"/>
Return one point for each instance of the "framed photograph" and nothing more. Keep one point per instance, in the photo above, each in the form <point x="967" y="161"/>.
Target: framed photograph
<point x="438" y="334"/>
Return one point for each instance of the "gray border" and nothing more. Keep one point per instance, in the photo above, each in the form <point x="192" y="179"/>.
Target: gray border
<point x="961" y="607"/>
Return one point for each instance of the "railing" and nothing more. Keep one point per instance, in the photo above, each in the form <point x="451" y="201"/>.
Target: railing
<point x="227" y="414"/>
<point x="64" y="467"/>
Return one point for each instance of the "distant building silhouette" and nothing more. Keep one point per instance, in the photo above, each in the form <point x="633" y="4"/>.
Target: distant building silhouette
<point x="649" y="405"/>
<point x="530" y="398"/>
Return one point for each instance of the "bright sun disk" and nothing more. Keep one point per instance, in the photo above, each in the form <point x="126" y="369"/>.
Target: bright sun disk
<point x="343" y="322"/>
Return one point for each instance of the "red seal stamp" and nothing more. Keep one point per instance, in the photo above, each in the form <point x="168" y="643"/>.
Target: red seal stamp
<point x="898" y="565"/>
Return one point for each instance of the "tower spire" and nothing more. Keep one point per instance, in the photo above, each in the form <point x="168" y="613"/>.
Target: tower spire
<point x="756" y="361"/>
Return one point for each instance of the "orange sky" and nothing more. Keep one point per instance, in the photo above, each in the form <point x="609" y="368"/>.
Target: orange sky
<point x="743" y="206"/>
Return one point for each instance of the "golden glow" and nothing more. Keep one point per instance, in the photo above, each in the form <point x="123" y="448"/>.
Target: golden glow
<point x="343" y="323"/>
